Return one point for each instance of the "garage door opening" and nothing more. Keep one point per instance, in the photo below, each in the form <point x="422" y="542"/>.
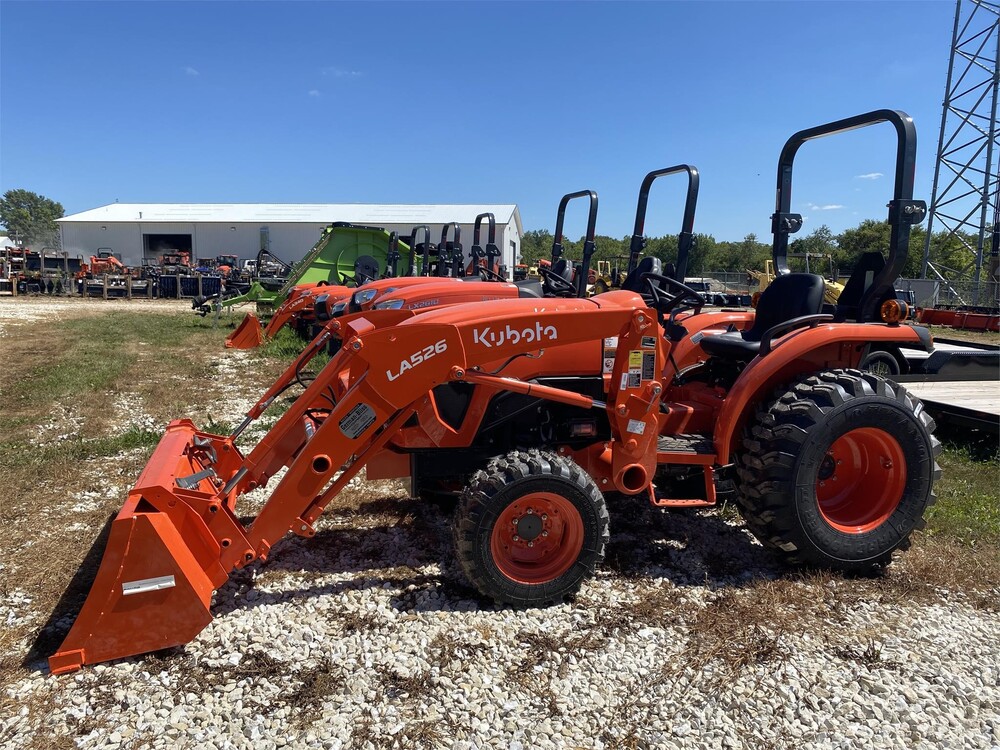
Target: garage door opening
<point x="155" y="245"/>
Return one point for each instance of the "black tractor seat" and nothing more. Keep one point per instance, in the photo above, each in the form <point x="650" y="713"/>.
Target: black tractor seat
<point x="529" y="289"/>
<point x="791" y="296"/>
<point x="634" y="281"/>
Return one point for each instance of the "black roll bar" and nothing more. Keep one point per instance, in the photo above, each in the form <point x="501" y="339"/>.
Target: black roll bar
<point x="686" y="236"/>
<point x="904" y="211"/>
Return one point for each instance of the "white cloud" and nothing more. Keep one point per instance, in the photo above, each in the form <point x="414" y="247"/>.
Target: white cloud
<point x="191" y="71"/>
<point x="827" y="207"/>
<point x="315" y="93"/>
<point x="336" y="72"/>
<point x="869" y="176"/>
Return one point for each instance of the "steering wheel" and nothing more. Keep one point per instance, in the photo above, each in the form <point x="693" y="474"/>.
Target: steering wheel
<point x="685" y="299"/>
<point x="489" y="273"/>
<point x="557" y="283"/>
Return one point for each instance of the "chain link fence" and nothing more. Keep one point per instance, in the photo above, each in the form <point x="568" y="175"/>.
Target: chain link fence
<point x="926" y="292"/>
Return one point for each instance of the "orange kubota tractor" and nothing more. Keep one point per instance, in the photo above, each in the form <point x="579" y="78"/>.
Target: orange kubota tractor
<point x="441" y="266"/>
<point x="831" y="466"/>
<point x="298" y="308"/>
<point x="560" y="282"/>
<point x="104" y="262"/>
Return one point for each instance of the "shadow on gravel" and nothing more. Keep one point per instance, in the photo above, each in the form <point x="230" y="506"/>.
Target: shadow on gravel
<point x="387" y="540"/>
<point x="60" y="620"/>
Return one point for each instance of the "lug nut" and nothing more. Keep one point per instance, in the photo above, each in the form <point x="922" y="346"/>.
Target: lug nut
<point x="545" y="517"/>
<point x="531" y="544"/>
<point x="545" y="533"/>
<point x="517" y="538"/>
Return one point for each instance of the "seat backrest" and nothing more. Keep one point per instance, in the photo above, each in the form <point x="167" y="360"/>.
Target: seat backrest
<point x="365" y="269"/>
<point x="633" y="282"/>
<point x="564" y="268"/>
<point x="789" y="296"/>
<point x="864" y="273"/>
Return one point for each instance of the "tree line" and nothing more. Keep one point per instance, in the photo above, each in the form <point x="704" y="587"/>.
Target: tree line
<point x="709" y="255"/>
<point x="30" y="218"/>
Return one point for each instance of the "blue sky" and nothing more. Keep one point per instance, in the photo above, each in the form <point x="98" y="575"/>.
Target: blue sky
<point x="468" y="103"/>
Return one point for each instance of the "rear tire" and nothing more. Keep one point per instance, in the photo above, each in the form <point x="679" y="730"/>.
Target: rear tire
<point x="838" y="471"/>
<point x="530" y="528"/>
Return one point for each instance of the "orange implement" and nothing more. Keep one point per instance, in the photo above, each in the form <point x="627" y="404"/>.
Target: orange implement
<point x="154" y="587"/>
<point x="249" y="334"/>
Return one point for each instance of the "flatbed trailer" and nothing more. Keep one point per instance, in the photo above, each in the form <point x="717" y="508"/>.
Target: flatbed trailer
<point x="958" y="381"/>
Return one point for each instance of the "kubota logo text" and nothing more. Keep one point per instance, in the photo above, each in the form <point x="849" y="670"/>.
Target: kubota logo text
<point x="417" y="357"/>
<point x="531" y="335"/>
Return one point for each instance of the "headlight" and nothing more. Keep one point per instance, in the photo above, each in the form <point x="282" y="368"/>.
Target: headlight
<point x="389" y="304"/>
<point x="338" y="310"/>
<point x="364" y="295"/>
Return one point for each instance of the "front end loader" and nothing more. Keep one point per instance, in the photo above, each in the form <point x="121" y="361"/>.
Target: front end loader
<point x="538" y="409"/>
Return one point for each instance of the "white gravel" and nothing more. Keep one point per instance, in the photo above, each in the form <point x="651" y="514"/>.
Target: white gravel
<point x="690" y="637"/>
<point x="360" y="638"/>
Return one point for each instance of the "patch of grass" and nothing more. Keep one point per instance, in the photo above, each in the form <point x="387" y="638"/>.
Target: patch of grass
<point x="286" y="345"/>
<point x="870" y="656"/>
<point x="399" y="686"/>
<point x="968" y="505"/>
<point x="77" y="448"/>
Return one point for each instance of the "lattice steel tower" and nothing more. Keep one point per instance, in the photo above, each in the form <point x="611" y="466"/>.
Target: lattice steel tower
<point x="964" y="193"/>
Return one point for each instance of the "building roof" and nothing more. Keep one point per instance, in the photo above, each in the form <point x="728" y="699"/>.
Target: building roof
<point x="276" y="213"/>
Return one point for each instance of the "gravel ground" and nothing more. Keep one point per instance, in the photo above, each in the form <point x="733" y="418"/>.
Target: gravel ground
<point x="367" y="637"/>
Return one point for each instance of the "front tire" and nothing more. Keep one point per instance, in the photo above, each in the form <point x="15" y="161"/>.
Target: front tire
<point x="838" y="471"/>
<point x="880" y="362"/>
<point x="530" y="528"/>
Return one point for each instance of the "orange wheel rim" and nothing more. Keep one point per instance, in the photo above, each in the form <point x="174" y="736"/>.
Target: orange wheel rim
<point x="537" y="538"/>
<point x="861" y="480"/>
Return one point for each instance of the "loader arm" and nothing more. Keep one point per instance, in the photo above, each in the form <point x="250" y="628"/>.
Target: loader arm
<point x="178" y="536"/>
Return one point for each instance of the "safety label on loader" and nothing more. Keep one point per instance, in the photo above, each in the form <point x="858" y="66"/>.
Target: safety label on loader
<point x="636" y="426"/>
<point x="648" y="342"/>
<point x="358" y="419"/>
<point x="648" y="365"/>
<point x="610" y="349"/>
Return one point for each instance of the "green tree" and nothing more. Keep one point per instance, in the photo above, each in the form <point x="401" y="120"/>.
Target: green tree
<point x="873" y="236"/>
<point x="30" y="218"/>
<point x="535" y="244"/>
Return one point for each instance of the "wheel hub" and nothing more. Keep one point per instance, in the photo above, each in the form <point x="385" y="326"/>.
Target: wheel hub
<point x="529" y="526"/>
<point x="537" y="538"/>
<point x="860" y="482"/>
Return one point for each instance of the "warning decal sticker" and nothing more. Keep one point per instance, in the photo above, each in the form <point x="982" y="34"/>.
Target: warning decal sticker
<point x="610" y="349"/>
<point x="635" y="359"/>
<point x="636" y="426"/>
<point x="648" y="342"/>
<point x="358" y="419"/>
<point x="648" y="365"/>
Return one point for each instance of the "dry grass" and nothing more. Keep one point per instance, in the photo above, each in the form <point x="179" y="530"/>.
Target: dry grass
<point x="980" y="337"/>
<point x="94" y="374"/>
<point x="316" y="684"/>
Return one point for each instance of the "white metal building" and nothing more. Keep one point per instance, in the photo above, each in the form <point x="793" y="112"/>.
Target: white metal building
<point x="139" y="232"/>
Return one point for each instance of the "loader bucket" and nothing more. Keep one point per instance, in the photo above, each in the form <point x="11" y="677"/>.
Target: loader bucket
<point x="153" y="589"/>
<point x="249" y="334"/>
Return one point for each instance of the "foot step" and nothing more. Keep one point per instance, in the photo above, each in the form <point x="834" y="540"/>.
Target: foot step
<point x="685" y="449"/>
<point x="672" y="503"/>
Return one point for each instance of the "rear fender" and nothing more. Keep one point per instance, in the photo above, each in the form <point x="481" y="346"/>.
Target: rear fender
<point x="825" y="347"/>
